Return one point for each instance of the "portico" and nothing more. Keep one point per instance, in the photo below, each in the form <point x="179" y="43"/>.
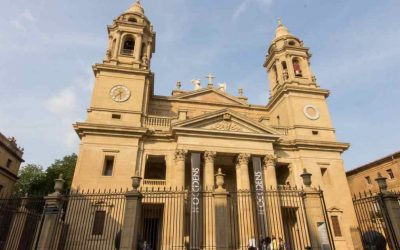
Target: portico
<point x="227" y="141"/>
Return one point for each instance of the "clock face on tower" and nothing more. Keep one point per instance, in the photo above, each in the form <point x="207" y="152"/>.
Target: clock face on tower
<point x="120" y="93"/>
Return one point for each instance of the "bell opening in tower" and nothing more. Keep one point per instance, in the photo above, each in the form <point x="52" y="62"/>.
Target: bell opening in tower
<point x="128" y="45"/>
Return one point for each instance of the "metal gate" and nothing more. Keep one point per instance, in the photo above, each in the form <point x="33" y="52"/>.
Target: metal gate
<point x="375" y="226"/>
<point x="167" y="220"/>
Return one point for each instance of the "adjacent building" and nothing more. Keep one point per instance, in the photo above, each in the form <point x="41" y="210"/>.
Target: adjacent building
<point x="130" y="131"/>
<point x="10" y="161"/>
<point x="362" y="179"/>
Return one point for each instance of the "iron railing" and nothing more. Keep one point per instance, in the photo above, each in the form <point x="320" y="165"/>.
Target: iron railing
<point x="375" y="225"/>
<point x="94" y="220"/>
<point x="20" y="222"/>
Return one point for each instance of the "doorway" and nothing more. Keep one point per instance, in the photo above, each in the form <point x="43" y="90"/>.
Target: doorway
<point x="152" y="225"/>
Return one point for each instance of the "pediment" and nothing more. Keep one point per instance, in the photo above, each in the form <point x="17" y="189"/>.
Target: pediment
<point x="225" y="121"/>
<point x="211" y="96"/>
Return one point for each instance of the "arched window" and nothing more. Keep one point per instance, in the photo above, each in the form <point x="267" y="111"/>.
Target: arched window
<point x="297" y="67"/>
<point x="132" y="20"/>
<point x="128" y="45"/>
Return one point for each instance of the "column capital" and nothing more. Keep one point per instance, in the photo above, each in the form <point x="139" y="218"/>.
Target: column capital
<point x="209" y="156"/>
<point x="242" y="159"/>
<point x="269" y="160"/>
<point x="180" y="154"/>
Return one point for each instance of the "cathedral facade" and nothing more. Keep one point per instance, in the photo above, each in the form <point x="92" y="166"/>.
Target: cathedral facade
<point x="130" y="131"/>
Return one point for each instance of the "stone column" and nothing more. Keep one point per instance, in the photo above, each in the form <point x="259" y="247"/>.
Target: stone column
<point x="314" y="213"/>
<point x="209" y="157"/>
<point x="290" y="67"/>
<point x="118" y="46"/>
<point x="270" y="172"/>
<point x="179" y="173"/>
<point x="47" y="239"/>
<point x="242" y="172"/>
<point x="244" y="201"/>
<point x="176" y="205"/>
<point x="208" y="200"/>
<point x="138" y="47"/>
<point x="222" y="214"/>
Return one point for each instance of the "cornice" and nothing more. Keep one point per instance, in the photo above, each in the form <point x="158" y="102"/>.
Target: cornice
<point x="376" y="163"/>
<point x="299" y="144"/>
<point x="10" y="174"/>
<point x="113" y="110"/>
<point x="113" y="68"/>
<point x="16" y="152"/>
<point x="83" y="129"/>
<point x="287" y="89"/>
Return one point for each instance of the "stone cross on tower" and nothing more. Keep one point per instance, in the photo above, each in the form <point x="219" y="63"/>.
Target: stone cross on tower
<point x="210" y="78"/>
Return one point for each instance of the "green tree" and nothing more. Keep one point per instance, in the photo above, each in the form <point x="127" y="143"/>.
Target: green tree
<point x="34" y="180"/>
<point x="66" y="167"/>
<point x="31" y="180"/>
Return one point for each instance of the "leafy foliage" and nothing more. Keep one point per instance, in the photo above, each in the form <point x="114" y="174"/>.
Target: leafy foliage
<point x="34" y="180"/>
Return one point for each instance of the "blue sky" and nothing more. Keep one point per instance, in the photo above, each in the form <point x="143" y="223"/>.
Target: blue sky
<point x="47" y="48"/>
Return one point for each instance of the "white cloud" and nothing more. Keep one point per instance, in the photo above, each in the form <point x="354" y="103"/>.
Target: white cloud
<point x="62" y="103"/>
<point x="245" y="4"/>
<point x="22" y="20"/>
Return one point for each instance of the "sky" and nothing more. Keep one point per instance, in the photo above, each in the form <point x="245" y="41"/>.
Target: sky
<point x="47" y="48"/>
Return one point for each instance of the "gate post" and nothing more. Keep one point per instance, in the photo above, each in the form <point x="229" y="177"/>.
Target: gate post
<point x="222" y="214"/>
<point x="131" y="223"/>
<point x="317" y="227"/>
<point x="391" y="207"/>
<point x="51" y="212"/>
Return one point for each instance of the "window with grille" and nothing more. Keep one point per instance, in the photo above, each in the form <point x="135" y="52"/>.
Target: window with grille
<point x="98" y="223"/>
<point x="336" y="226"/>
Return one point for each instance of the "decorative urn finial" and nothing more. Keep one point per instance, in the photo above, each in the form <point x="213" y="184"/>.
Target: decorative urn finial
<point x="59" y="184"/>
<point x="219" y="179"/>
<point x="136" y="182"/>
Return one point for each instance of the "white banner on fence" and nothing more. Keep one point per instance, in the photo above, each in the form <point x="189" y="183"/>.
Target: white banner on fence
<point x="195" y="203"/>
<point x="260" y="195"/>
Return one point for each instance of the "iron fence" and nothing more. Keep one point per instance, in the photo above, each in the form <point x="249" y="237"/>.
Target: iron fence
<point x="375" y="225"/>
<point x="253" y="218"/>
<point x="169" y="220"/>
<point x="89" y="220"/>
<point x="20" y="222"/>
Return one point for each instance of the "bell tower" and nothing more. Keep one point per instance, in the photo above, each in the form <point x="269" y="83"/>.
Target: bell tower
<point x="288" y="62"/>
<point x="296" y="101"/>
<point x="124" y="82"/>
<point x="131" y="40"/>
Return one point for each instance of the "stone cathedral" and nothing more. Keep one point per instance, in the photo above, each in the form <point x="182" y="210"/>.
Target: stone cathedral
<point x="130" y="131"/>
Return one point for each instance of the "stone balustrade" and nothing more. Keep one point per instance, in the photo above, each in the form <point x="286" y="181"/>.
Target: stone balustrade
<point x="157" y="122"/>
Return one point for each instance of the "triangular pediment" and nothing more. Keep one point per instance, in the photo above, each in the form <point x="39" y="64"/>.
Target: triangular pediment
<point x="225" y="120"/>
<point x="211" y="96"/>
